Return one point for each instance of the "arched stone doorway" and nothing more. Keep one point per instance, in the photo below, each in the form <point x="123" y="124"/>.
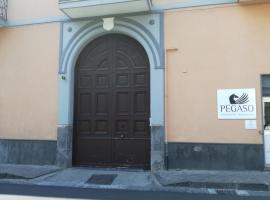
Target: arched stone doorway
<point x="112" y="104"/>
<point x="75" y="36"/>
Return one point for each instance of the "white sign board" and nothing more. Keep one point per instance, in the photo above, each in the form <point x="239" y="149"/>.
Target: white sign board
<point x="236" y="103"/>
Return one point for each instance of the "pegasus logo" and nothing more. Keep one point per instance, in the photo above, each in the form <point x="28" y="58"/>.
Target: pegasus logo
<point x="236" y="103"/>
<point x="234" y="99"/>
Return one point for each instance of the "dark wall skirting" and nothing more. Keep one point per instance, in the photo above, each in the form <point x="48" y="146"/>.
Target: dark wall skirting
<point x="32" y="152"/>
<point x="216" y="156"/>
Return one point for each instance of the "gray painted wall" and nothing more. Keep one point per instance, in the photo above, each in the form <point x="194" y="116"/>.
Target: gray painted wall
<point x="32" y="152"/>
<point x="209" y="156"/>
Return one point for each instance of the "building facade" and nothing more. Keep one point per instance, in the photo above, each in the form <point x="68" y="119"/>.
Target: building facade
<point x="161" y="84"/>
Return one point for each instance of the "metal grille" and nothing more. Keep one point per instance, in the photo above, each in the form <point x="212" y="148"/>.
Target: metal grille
<point x="102" y="179"/>
<point x="3" y="9"/>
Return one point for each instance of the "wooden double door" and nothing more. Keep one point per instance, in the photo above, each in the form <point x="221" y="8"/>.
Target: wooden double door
<point x="112" y="104"/>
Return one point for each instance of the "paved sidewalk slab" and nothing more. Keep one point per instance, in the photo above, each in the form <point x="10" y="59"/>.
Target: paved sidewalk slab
<point x="171" y="177"/>
<point x="78" y="177"/>
<point x="26" y="171"/>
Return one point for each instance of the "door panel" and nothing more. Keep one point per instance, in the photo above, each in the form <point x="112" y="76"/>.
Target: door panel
<point x="112" y="104"/>
<point x="128" y="152"/>
<point x="94" y="151"/>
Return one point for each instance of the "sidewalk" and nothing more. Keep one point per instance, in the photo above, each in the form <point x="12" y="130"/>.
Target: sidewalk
<point x="191" y="181"/>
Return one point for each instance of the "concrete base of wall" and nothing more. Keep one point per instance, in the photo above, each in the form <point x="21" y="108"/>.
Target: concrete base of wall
<point x="157" y="148"/>
<point x="64" y="146"/>
<point x="28" y="152"/>
<point x="181" y="155"/>
<point x="216" y="156"/>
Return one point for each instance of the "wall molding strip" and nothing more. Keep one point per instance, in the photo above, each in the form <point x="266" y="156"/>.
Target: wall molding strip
<point x="38" y="20"/>
<point x="190" y="3"/>
<point x="155" y="8"/>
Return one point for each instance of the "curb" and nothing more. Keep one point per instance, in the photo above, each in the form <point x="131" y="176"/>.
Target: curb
<point x="187" y="190"/>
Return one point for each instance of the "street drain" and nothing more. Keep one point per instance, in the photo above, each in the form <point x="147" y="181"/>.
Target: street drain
<point x="102" y="179"/>
<point x="10" y="176"/>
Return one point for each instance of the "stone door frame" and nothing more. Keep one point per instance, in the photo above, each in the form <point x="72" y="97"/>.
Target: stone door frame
<point x="75" y="35"/>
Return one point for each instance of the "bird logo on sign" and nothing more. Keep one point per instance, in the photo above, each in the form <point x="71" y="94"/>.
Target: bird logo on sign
<point x="234" y="99"/>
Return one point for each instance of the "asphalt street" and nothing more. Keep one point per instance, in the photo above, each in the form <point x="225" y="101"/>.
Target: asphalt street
<point x="29" y="192"/>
